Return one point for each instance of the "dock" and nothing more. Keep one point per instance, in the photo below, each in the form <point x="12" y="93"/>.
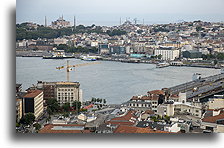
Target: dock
<point x="200" y="88"/>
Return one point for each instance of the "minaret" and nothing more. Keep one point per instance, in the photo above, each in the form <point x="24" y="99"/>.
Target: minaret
<point x="45" y="24"/>
<point x="74" y="22"/>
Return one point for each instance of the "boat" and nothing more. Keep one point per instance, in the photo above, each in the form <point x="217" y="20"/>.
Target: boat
<point x="88" y="58"/>
<point x="57" y="54"/>
<point x="162" y="65"/>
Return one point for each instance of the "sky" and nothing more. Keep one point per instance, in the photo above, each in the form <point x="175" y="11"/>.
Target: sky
<point x="109" y="12"/>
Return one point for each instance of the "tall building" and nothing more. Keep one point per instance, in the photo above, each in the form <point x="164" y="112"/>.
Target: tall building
<point x="33" y="102"/>
<point x="63" y="92"/>
<point x="60" y="23"/>
<point x="67" y="92"/>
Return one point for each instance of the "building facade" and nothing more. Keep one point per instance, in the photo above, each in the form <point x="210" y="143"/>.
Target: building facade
<point x="60" y="23"/>
<point x="68" y="92"/>
<point x="33" y="102"/>
<point x="63" y="92"/>
<point x="167" y="53"/>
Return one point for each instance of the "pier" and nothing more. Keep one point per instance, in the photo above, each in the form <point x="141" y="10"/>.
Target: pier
<point x="200" y="88"/>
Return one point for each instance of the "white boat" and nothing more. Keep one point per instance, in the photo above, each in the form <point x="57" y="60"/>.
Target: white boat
<point x="88" y="58"/>
<point x="161" y="65"/>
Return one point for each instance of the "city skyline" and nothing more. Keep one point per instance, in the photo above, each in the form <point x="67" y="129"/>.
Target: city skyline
<point x="100" y="13"/>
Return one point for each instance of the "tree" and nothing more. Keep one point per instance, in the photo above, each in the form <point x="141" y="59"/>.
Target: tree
<point x="28" y="119"/>
<point x="37" y="126"/>
<point x="98" y="100"/>
<point x="104" y="101"/>
<point x="77" y="105"/>
<point x="53" y="105"/>
<point x="159" y="56"/>
<point x="66" y="107"/>
<point x="93" y="99"/>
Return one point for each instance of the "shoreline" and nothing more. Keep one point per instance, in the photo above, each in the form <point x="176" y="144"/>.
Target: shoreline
<point x="137" y="62"/>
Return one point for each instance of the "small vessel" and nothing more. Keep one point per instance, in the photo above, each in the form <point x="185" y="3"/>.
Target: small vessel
<point x="88" y="58"/>
<point x="57" y="54"/>
<point x="161" y="65"/>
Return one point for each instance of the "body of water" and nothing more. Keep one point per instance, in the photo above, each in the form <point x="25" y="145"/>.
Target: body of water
<point x="115" y="81"/>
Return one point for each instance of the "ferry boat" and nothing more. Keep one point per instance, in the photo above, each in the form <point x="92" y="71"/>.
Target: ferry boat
<point x="57" y="54"/>
<point x="161" y="65"/>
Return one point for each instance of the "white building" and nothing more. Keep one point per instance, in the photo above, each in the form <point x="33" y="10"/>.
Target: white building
<point x="168" y="53"/>
<point x="170" y="108"/>
<point x="68" y="92"/>
<point x="59" y="41"/>
<point x="215" y="103"/>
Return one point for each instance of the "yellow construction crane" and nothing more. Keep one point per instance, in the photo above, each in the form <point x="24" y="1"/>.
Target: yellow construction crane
<point x="69" y="67"/>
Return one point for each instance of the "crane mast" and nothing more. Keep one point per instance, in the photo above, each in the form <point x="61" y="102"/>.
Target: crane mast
<point x="68" y="68"/>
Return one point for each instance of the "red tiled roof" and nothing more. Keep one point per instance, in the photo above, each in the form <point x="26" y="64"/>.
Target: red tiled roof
<point x="126" y="117"/>
<point x="145" y="98"/>
<point x="33" y="93"/>
<point x="48" y="129"/>
<point x="133" y="129"/>
<point x="156" y="92"/>
<point x="213" y="119"/>
<point x="123" y="120"/>
<point x="149" y="112"/>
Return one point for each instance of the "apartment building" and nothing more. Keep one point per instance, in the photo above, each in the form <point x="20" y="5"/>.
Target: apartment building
<point x="168" y="53"/>
<point x="33" y="102"/>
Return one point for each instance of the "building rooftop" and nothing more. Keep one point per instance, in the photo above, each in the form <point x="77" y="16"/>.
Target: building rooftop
<point x="213" y="119"/>
<point x="132" y="129"/>
<point x="156" y="92"/>
<point x="61" y="128"/>
<point x="32" y="93"/>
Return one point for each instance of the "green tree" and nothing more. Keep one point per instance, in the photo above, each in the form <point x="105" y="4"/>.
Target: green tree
<point x="104" y="101"/>
<point x="53" y="105"/>
<point x="28" y="119"/>
<point x="93" y="99"/>
<point x="159" y="56"/>
<point x="37" y="126"/>
<point x="66" y="107"/>
<point x="77" y="105"/>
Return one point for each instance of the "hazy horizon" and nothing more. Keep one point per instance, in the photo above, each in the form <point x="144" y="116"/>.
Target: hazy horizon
<point x="108" y="13"/>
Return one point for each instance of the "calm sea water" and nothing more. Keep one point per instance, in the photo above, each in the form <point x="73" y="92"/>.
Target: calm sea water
<point x="115" y="81"/>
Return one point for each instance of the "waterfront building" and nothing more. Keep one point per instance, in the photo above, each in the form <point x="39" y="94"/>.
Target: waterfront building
<point x="104" y="48"/>
<point x="117" y="49"/>
<point x="63" y="92"/>
<point x="192" y="54"/>
<point x="168" y="53"/>
<point x="68" y="92"/>
<point x="33" y="102"/>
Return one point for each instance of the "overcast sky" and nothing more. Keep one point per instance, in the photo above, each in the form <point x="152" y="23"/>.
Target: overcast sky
<point x="109" y="12"/>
